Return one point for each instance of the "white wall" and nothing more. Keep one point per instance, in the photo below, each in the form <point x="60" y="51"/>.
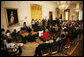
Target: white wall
<point x="24" y="11"/>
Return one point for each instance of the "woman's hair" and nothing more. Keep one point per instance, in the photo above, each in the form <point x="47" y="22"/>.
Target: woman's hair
<point x="7" y="31"/>
<point x="2" y="30"/>
<point x="9" y="40"/>
<point x="62" y="35"/>
<point x="14" y="30"/>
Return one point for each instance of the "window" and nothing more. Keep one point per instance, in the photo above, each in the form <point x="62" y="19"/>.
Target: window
<point x="66" y="16"/>
<point x="80" y="15"/>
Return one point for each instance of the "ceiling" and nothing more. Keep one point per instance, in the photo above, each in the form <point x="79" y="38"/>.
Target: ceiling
<point x="56" y="2"/>
<point x="72" y="3"/>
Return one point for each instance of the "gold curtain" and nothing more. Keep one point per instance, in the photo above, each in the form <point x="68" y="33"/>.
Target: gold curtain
<point x="77" y="16"/>
<point x="57" y="13"/>
<point x="36" y="12"/>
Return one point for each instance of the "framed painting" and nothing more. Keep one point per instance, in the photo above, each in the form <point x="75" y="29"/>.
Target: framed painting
<point x="12" y="17"/>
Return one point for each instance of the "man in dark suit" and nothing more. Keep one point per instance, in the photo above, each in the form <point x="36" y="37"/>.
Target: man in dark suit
<point x="43" y="21"/>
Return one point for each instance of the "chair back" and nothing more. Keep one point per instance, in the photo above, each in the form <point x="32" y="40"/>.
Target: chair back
<point x="45" y="50"/>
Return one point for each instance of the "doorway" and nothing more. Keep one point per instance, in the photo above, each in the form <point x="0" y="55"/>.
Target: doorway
<point x="50" y="15"/>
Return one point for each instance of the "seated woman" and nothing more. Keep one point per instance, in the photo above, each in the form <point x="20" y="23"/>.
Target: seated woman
<point x="3" y="32"/>
<point x="68" y="41"/>
<point x="46" y="34"/>
<point x="8" y="34"/>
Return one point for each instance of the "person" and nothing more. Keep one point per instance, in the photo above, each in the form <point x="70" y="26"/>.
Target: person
<point x="11" y="45"/>
<point x="14" y="33"/>
<point x="36" y="23"/>
<point x="48" y="22"/>
<point x="43" y="45"/>
<point x="68" y="43"/>
<point x="39" y="22"/>
<point x="29" y="29"/>
<point x="52" y="29"/>
<point x="8" y="34"/>
<point x="33" y="23"/>
<point x="3" y="32"/>
<point x="40" y="33"/>
<point x="24" y="25"/>
<point x="56" y="28"/>
<point x="43" y="21"/>
<point x="46" y="34"/>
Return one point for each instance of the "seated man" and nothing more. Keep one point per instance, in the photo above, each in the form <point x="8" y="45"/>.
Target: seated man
<point x="11" y="47"/>
<point x="24" y="25"/>
<point x="52" y="29"/>
<point x="29" y="29"/>
<point x="14" y="33"/>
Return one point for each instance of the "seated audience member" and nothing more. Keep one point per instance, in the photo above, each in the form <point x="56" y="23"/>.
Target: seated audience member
<point x="11" y="47"/>
<point x="3" y="32"/>
<point x="56" y="28"/>
<point x="24" y="25"/>
<point x="3" y="48"/>
<point x="3" y="42"/>
<point x="29" y="29"/>
<point x="46" y="34"/>
<point x="68" y="42"/>
<point x="19" y="36"/>
<point x="43" y="28"/>
<point x="40" y="33"/>
<point x="14" y="33"/>
<point x="8" y="34"/>
<point x="53" y="29"/>
<point x="40" y="47"/>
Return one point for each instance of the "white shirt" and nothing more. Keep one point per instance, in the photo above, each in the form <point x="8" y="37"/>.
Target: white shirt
<point x="40" y="33"/>
<point x="8" y="34"/>
<point x="10" y="45"/>
<point x="33" y="22"/>
<point x="58" y="39"/>
<point x="39" y="21"/>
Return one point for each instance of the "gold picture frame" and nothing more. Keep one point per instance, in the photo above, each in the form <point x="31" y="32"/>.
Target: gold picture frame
<point x="12" y="17"/>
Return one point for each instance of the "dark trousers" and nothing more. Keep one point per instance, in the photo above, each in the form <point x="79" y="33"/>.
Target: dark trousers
<point x="38" y="52"/>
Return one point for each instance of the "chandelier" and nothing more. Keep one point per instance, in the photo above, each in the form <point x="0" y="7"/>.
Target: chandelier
<point x="64" y="5"/>
<point x="77" y="7"/>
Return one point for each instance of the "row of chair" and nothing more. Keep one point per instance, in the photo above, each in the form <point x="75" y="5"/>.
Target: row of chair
<point x="50" y="48"/>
